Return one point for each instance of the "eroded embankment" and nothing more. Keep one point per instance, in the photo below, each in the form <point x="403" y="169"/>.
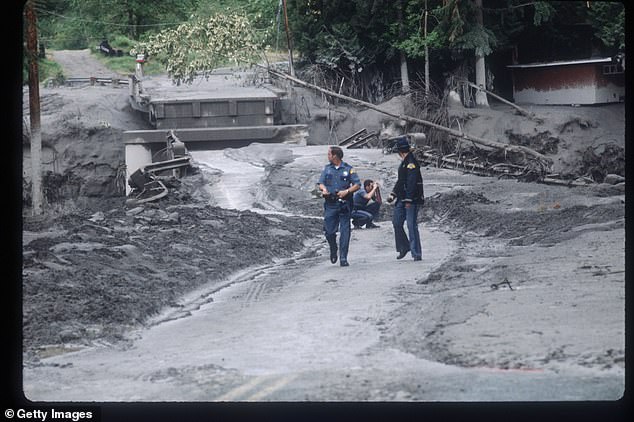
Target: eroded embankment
<point x="547" y="223"/>
<point x="90" y="276"/>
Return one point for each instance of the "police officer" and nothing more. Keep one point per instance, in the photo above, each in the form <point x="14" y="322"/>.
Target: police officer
<point x="338" y="182"/>
<point x="409" y="196"/>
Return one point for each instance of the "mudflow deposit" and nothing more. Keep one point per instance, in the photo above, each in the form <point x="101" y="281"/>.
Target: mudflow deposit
<point x="222" y="290"/>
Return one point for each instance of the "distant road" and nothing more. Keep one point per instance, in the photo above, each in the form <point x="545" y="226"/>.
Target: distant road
<point x="80" y="63"/>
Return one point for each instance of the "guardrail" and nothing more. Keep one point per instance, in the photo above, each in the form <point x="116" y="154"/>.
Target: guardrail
<point x="96" y="80"/>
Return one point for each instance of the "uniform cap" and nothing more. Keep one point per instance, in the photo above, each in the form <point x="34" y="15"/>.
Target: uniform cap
<point x="402" y="144"/>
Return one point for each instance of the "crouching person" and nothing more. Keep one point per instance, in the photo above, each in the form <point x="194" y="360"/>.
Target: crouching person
<point x="367" y="203"/>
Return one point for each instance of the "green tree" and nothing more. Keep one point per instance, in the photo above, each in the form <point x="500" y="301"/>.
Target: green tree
<point x="608" y="22"/>
<point x="351" y="39"/>
<point x="203" y="44"/>
<point x="321" y="29"/>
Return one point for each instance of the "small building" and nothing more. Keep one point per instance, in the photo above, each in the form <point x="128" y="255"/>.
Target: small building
<point x="590" y="81"/>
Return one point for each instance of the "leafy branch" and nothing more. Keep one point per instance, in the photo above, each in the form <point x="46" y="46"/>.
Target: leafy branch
<point x="202" y="45"/>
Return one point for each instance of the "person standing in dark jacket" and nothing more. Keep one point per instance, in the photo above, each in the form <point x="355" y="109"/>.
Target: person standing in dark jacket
<point x="409" y="196"/>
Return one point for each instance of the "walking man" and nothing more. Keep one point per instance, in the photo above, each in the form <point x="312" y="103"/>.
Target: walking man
<point x="409" y="196"/>
<point x="338" y="182"/>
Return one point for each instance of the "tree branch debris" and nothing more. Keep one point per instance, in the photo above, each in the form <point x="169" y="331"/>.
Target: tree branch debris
<point x="501" y="159"/>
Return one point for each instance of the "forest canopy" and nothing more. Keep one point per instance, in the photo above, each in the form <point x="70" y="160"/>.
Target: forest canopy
<point x="346" y="37"/>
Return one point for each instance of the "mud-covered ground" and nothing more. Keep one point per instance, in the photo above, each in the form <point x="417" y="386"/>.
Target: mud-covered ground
<point x="94" y="268"/>
<point x="561" y="248"/>
<point x="520" y="283"/>
<point x="92" y="275"/>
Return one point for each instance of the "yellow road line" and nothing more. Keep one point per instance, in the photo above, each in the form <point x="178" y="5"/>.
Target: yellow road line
<point x="253" y="387"/>
<point x="242" y="389"/>
<point x="272" y="388"/>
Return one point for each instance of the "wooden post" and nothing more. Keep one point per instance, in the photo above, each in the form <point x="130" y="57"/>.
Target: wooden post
<point x="34" y="108"/>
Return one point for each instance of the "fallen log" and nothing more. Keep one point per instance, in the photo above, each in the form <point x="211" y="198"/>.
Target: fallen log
<point x="544" y="161"/>
<point x="561" y="182"/>
<point x="522" y="111"/>
<point x="471" y="165"/>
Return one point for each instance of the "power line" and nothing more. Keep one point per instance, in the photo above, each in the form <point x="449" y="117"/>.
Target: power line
<point x="106" y="23"/>
<point x="54" y="38"/>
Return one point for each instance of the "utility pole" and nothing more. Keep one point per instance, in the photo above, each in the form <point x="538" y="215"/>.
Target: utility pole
<point x="277" y="22"/>
<point x="426" y="55"/>
<point x="401" y="34"/>
<point x="288" y="40"/>
<point x="34" y="108"/>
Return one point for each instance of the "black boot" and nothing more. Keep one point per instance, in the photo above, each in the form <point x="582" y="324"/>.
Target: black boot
<point x="333" y="255"/>
<point x="333" y="249"/>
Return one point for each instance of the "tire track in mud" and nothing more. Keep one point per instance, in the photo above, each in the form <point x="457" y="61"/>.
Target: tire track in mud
<point x="254" y="291"/>
<point x="237" y="183"/>
<point x="251" y="277"/>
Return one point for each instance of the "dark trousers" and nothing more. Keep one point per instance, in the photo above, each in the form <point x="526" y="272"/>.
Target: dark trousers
<point x="337" y="216"/>
<point x="366" y="214"/>
<point x="409" y="215"/>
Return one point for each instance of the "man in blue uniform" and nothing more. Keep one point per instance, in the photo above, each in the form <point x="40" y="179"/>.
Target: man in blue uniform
<point x="409" y="196"/>
<point x="338" y="182"/>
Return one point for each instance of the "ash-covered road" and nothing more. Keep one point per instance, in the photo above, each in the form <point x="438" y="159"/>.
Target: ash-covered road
<point x="304" y="329"/>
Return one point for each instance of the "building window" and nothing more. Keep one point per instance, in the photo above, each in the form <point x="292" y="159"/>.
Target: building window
<point x="612" y="69"/>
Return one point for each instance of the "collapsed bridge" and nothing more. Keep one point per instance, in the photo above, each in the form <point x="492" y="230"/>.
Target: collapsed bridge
<point x="210" y="114"/>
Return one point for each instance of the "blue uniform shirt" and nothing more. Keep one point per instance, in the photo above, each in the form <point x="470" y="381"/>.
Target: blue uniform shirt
<point x="359" y="198"/>
<point x="341" y="178"/>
